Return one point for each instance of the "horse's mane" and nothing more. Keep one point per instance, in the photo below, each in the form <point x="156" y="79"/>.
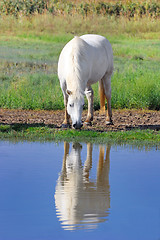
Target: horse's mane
<point x="78" y="65"/>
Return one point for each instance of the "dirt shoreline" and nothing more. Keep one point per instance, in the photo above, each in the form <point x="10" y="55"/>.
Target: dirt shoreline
<point x="123" y="120"/>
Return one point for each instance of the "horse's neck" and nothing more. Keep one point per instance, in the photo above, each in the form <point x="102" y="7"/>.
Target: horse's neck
<point x="77" y="66"/>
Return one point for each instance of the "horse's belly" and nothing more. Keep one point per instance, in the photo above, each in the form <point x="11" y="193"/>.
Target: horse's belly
<point x="97" y="72"/>
<point x="95" y="78"/>
<point x="99" y="64"/>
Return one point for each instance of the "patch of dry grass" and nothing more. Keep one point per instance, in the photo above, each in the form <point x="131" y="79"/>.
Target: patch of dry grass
<point x="48" y="24"/>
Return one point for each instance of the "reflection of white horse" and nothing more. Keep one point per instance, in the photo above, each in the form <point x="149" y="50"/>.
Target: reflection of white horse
<point x="81" y="202"/>
<point x="84" y="61"/>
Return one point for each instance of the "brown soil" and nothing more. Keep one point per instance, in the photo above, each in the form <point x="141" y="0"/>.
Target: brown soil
<point x="122" y="119"/>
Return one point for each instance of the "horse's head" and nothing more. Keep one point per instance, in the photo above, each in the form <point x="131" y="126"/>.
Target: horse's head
<point x="74" y="108"/>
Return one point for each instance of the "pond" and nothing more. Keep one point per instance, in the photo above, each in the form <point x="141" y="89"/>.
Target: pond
<point x="78" y="191"/>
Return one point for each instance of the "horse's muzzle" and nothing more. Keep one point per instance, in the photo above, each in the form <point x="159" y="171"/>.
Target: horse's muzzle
<point x="77" y="125"/>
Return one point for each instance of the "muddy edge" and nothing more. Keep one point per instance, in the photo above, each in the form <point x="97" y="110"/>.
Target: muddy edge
<point x="122" y="119"/>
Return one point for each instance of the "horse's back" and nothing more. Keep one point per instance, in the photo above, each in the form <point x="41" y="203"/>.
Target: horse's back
<point x="102" y="56"/>
<point x="98" y="42"/>
<point x="94" y="53"/>
<point x="95" y="40"/>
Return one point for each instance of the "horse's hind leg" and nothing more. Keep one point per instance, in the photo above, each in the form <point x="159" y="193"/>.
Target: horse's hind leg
<point x="106" y="80"/>
<point x="102" y="97"/>
<point x="89" y="95"/>
<point x="66" y="122"/>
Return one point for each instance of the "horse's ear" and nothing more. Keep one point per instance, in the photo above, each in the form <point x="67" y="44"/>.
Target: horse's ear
<point x="68" y="92"/>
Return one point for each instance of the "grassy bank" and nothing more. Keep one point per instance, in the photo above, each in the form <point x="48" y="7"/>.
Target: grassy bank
<point x="46" y="133"/>
<point x="29" y="49"/>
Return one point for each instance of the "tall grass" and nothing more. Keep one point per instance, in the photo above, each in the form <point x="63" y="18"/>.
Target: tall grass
<point x="135" y="84"/>
<point x="37" y="91"/>
<point x="129" y="90"/>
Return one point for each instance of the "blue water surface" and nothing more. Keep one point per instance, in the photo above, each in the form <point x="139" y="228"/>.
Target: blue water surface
<point x="30" y="176"/>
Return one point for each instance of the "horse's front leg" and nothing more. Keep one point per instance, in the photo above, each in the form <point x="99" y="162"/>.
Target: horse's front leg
<point x="89" y="95"/>
<point x="66" y="123"/>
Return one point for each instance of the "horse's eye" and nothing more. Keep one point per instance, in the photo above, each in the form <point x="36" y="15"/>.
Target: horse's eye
<point x="71" y="105"/>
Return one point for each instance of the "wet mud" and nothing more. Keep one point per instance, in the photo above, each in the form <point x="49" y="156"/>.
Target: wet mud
<point x="123" y="120"/>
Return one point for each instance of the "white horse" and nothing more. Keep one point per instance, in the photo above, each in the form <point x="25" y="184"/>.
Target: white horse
<point x="84" y="61"/>
<point x="82" y="201"/>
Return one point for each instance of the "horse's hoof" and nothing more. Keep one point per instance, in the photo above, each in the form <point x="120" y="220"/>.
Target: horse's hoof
<point x="65" y="125"/>
<point x="88" y="123"/>
<point x="109" y="123"/>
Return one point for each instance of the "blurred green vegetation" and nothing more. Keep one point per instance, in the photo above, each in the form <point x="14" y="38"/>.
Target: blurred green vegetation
<point x="117" y="8"/>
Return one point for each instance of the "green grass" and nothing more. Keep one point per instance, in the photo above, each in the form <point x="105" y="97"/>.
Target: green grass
<point x="28" y="73"/>
<point x="137" y="85"/>
<point x="46" y="133"/>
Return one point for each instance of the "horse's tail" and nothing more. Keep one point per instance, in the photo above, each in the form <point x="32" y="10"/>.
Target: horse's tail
<point x="102" y="97"/>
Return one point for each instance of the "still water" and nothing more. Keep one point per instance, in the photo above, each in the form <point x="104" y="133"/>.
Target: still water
<point x="78" y="191"/>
